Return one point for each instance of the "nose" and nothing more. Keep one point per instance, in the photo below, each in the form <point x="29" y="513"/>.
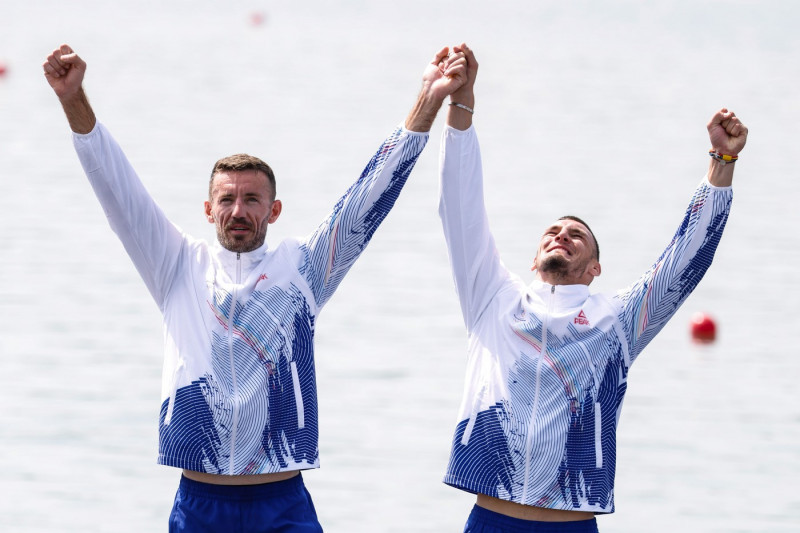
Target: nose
<point x="562" y="235"/>
<point x="238" y="209"/>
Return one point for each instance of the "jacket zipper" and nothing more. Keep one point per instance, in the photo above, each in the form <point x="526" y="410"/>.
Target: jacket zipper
<point x="234" y="384"/>
<point x="532" y="424"/>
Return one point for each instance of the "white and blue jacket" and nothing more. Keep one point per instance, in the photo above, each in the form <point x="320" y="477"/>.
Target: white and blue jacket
<point x="239" y="388"/>
<point x="548" y="365"/>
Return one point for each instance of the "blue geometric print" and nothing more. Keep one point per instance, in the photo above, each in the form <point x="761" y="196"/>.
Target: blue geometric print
<point x="583" y="476"/>
<point x="201" y="432"/>
<point x="282" y="432"/>
<point x="563" y="472"/>
<point x="190" y="441"/>
<point x="485" y="464"/>
<point x="333" y="248"/>
<point x="656" y="296"/>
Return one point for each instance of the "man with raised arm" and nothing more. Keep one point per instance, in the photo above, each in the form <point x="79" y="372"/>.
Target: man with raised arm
<point x="239" y="400"/>
<point x="548" y="361"/>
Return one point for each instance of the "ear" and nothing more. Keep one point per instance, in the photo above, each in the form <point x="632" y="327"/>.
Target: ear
<point x="595" y="269"/>
<point x="209" y="213"/>
<point x="275" y="212"/>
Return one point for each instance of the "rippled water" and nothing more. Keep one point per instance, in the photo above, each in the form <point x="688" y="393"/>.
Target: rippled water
<point x="593" y="108"/>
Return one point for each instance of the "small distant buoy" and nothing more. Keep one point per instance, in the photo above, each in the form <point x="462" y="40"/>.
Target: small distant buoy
<point x="257" y="18"/>
<point x="703" y="327"/>
<point x="3" y="69"/>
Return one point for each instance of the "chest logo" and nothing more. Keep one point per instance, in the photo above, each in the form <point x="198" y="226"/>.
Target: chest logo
<point x="581" y="319"/>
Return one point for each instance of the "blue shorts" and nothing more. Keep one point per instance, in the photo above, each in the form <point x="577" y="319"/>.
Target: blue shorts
<point x="280" y="507"/>
<point x="485" y="521"/>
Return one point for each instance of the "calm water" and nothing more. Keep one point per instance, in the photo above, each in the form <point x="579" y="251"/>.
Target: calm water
<point x="594" y="108"/>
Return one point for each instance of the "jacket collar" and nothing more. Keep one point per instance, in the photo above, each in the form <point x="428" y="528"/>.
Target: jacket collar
<point x="248" y="259"/>
<point x="565" y="295"/>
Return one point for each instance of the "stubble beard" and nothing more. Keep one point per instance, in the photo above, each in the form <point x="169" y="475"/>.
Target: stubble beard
<point x="241" y="245"/>
<point x="555" y="265"/>
<point x="560" y="271"/>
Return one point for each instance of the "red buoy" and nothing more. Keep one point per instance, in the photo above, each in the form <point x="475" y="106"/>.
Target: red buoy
<point x="257" y="18"/>
<point x="3" y="68"/>
<point x="703" y="328"/>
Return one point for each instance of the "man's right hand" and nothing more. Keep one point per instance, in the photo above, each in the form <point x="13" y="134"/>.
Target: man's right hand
<point x="64" y="71"/>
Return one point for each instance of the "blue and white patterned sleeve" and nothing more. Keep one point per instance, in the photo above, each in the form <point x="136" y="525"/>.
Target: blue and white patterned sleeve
<point x="478" y="271"/>
<point x="655" y="297"/>
<point x="149" y="238"/>
<point x="336" y="243"/>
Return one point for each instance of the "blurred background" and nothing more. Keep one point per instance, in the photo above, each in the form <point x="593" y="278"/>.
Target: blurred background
<point x="595" y="108"/>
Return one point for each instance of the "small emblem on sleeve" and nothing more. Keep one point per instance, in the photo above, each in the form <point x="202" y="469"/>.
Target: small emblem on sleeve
<point x="581" y="319"/>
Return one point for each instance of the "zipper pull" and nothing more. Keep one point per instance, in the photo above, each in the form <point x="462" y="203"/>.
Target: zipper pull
<point x="238" y="267"/>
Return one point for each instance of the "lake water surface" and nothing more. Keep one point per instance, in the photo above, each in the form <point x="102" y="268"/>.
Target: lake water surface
<point x="596" y="108"/>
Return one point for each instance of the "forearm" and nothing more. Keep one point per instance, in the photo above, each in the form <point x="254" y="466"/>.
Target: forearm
<point x="80" y="114"/>
<point x="422" y="115"/>
<point x="458" y="117"/>
<point x="719" y="174"/>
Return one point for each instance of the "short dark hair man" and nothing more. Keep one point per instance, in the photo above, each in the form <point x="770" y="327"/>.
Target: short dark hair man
<point x="548" y="362"/>
<point x="239" y="409"/>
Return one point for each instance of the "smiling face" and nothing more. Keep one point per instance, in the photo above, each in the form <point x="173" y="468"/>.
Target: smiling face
<point x="567" y="254"/>
<point x="241" y="206"/>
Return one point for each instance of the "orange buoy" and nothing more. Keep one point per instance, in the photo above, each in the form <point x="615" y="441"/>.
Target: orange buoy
<point x="703" y="328"/>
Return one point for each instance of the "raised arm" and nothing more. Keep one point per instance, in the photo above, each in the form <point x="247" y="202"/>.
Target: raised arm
<point x="655" y="297"/>
<point x="478" y="272"/>
<point x="150" y="239"/>
<point x="336" y="243"/>
<point x="64" y="71"/>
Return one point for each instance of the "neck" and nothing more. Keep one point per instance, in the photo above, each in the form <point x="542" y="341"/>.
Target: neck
<point x="559" y="278"/>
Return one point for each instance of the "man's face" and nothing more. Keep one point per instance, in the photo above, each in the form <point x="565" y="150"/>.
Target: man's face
<point x="566" y="254"/>
<point x="241" y="207"/>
